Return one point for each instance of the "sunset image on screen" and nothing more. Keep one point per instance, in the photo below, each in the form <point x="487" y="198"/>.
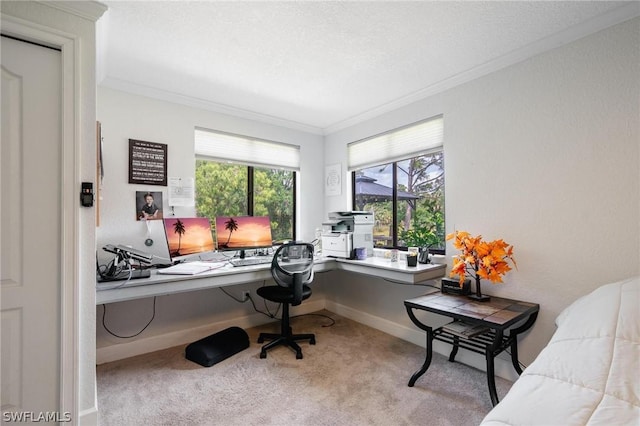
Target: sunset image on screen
<point x="243" y="232"/>
<point x="187" y="236"/>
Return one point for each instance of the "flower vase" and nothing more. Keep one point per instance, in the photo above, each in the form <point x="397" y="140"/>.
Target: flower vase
<point x="479" y="297"/>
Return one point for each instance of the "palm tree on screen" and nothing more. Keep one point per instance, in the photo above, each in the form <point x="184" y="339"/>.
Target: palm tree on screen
<point x="179" y="229"/>
<point x="230" y="225"/>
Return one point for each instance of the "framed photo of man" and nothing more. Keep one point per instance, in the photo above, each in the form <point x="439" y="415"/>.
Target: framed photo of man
<point x="148" y="205"/>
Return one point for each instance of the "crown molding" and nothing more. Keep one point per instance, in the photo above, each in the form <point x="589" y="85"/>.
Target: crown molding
<point x="190" y="101"/>
<point x="90" y="10"/>
<point x="621" y="14"/>
<point x="616" y="16"/>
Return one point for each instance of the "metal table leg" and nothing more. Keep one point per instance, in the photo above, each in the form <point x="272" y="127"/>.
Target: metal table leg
<point x="427" y="360"/>
<point x="429" y="347"/>
<point x="454" y="349"/>
<point x="491" y="376"/>
<point x="513" y="335"/>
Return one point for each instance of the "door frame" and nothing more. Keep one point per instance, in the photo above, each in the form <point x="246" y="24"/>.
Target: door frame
<point x="70" y="219"/>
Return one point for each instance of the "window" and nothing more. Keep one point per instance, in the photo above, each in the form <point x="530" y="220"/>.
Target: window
<point x="237" y="176"/>
<point x="399" y="176"/>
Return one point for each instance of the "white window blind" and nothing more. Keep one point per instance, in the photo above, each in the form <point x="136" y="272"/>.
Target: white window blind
<point x="398" y="144"/>
<point x="215" y="145"/>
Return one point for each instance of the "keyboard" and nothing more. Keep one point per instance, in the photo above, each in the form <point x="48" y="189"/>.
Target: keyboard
<point x="258" y="260"/>
<point x="188" y="268"/>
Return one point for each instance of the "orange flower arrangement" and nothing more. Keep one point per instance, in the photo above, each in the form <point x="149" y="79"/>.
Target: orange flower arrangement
<point x="480" y="259"/>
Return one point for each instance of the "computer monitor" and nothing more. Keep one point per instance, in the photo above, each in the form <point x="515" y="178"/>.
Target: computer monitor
<point x="188" y="237"/>
<point x="243" y="233"/>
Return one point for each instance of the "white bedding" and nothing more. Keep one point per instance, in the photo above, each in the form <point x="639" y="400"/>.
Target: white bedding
<point x="589" y="373"/>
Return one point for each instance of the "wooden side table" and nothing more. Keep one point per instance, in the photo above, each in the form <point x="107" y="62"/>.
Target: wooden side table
<point x="498" y="315"/>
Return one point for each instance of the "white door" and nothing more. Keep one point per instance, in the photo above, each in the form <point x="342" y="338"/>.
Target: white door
<point x="30" y="231"/>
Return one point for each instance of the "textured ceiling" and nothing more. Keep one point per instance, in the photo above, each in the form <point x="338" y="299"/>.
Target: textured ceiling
<point x="319" y="65"/>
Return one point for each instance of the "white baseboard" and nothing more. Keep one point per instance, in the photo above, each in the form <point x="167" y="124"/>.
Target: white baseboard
<point x="503" y="368"/>
<point x="183" y="337"/>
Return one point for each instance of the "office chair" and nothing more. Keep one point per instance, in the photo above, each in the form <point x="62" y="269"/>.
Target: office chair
<point x="292" y="270"/>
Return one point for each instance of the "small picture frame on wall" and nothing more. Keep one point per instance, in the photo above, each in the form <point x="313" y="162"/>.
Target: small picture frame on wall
<point x="148" y="205"/>
<point x="147" y="162"/>
<point x="333" y="181"/>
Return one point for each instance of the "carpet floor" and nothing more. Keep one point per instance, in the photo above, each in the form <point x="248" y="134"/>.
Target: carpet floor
<point x="354" y="375"/>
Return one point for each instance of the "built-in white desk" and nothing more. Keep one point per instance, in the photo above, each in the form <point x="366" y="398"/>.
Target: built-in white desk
<point x="393" y="271"/>
<point x="161" y="284"/>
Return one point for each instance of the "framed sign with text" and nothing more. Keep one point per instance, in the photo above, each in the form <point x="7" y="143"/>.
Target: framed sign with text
<point x="147" y="162"/>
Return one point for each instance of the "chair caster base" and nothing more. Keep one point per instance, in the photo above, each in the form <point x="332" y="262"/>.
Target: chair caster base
<point x="286" y="340"/>
<point x="268" y="336"/>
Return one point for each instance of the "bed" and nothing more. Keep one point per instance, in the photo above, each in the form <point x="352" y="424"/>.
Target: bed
<point x="589" y="373"/>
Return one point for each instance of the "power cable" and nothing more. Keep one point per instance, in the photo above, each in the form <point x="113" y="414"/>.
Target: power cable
<point x="104" y="324"/>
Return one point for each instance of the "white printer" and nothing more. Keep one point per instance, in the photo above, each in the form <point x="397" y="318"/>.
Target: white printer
<point x="346" y="231"/>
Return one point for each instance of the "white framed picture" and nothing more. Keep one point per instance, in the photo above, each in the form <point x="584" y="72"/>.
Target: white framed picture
<point x="333" y="179"/>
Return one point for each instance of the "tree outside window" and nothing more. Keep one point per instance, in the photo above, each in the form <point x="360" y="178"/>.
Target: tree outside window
<point x="407" y="198"/>
<point x="224" y="189"/>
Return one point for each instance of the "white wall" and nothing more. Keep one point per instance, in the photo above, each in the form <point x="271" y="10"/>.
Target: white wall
<point x="183" y="317"/>
<point x="544" y="154"/>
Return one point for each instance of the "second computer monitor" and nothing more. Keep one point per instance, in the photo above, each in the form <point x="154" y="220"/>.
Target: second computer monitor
<point x="243" y="232"/>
